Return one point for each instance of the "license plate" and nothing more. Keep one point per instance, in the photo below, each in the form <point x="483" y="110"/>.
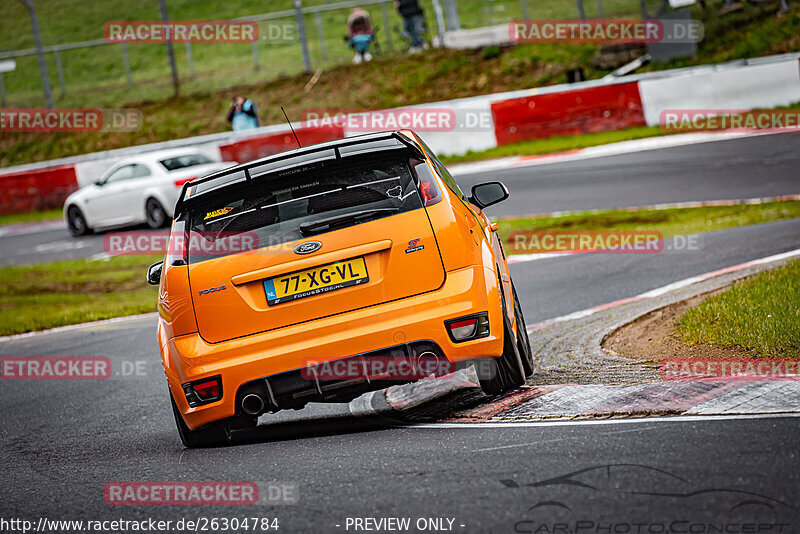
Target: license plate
<point x="316" y="281"/>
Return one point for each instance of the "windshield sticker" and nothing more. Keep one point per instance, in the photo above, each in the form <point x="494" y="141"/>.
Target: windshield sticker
<point x="218" y="213"/>
<point x="395" y="192"/>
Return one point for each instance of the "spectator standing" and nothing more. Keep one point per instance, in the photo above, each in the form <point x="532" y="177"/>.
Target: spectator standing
<point x="243" y="114"/>
<point x="360" y="34"/>
<point x="414" y="23"/>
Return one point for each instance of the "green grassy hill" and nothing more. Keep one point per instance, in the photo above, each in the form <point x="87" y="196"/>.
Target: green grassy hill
<point x="393" y="79"/>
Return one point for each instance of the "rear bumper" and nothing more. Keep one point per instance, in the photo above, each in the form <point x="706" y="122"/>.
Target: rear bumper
<point x="242" y="360"/>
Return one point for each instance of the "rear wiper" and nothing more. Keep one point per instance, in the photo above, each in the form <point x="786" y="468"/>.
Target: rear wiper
<point x="311" y="227"/>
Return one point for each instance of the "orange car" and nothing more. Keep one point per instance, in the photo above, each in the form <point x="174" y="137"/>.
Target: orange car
<point x="325" y="272"/>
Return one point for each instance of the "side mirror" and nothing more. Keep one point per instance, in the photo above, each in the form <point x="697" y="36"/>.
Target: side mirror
<point x="154" y="273"/>
<point x="484" y="195"/>
<point x="99" y="183"/>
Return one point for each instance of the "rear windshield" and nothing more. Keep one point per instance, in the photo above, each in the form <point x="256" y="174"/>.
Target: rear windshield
<point x="301" y="206"/>
<point x="182" y="162"/>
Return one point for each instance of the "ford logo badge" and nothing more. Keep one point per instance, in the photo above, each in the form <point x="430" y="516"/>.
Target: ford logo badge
<point x="308" y="247"/>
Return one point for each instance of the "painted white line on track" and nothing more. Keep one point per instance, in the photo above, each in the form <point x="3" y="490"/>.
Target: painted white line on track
<point x="664" y="289"/>
<point x="79" y="326"/>
<point x="663" y="206"/>
<point x="609" y="149"/>
<point x="531" y="328"/>
<point x="27" y="228"/>
<point x="542" y="442"/>
<point x="593" y="422"/>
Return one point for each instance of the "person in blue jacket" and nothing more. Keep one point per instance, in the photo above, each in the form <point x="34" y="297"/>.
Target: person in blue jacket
<point x="243" y="114"/>
<point x="360" y="34"/>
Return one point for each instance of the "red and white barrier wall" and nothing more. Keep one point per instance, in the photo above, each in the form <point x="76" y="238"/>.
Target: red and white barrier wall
<point x="251" y="148"/>
<point x="750" y="87"/>
<point x="36" y="189"/>
<point x="510" y="117"/>
<point x="595" y="109"/>
<point x="40" y="187"/>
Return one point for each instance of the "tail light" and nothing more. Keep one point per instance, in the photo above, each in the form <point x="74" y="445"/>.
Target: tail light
<point x="178" y="247"/>
<point x="469" y="327"/>
<point x="179" y="183"/>
<point x="203" y="391"/>
<point x="430" y="192"/>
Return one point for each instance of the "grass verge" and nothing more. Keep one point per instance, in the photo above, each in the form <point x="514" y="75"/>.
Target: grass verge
<point x="31" y="216"/>
<point x="55" y="294"/>
<point x="760" y="315"/>
<point x="559" y="144"/>
<point x="48" y="295"/>
<point x="670" y="222"/>
<point x="391" y="80"/>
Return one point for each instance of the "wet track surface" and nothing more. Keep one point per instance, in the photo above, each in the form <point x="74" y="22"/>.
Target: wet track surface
<point x="752" y="167"/>
<point x="64" y="440"/>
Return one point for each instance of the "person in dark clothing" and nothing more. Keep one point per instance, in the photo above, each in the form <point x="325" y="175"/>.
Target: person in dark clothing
<point x="414" y="22"/>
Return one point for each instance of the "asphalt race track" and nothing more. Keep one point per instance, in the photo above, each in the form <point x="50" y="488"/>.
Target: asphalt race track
<point x="750" y="167"/>
<point x="65" y="440"/>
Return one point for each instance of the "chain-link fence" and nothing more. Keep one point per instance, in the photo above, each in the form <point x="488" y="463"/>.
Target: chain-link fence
<point x="97" y="72"/>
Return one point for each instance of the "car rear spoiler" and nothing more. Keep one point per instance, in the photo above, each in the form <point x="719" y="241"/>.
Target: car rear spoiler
<point x="294" y="161"/>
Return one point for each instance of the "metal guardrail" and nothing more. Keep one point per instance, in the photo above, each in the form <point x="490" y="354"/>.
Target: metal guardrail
<point x="230" y="136"/>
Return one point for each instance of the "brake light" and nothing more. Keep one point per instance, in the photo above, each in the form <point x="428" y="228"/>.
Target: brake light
<point x="430" y="192"/>
<point x="464" y="329"/>
<point x="469" y="327"/>
<point x="177" y="249"/>
<point x="207" y="390"/>
<point x="179" y="183"/>
<point x="203" y="391"/>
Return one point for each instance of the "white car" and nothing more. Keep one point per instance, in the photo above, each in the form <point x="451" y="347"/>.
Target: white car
<point x="141" y="189"/>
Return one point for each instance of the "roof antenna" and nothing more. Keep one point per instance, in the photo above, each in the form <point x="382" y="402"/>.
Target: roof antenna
<point x="292" y="127"/>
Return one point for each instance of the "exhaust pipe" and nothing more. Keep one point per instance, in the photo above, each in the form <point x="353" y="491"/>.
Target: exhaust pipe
<point x="252" y="404"/>
<point x="429" y="363"/>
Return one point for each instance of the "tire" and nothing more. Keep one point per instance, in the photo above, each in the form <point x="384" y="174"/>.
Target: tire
<point x="154" y="214"/>
<point x="523" y="341"/>
<point x="76" y="222"/>
<point x="509" y="371"/>
<point x="213" y="435"/>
